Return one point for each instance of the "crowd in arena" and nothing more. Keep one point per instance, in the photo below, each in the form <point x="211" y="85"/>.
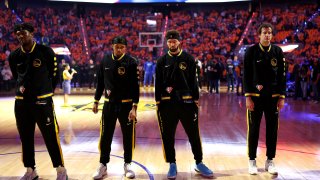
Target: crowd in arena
<point x="210" y="35"/>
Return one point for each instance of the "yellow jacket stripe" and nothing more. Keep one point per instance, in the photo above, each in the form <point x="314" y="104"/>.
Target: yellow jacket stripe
<point x="279" y="95"/>
<point x="165" y="98"/>
<point x="123" y="101"/>
<point x="258" y="95"/>
<point x="186" y="97"/>
<point x="33" y="46"/>
<point x="178" y="54"/>
<point x="45" y="96"/>
<point x="18" y="97"/>
<point x="252" y="94"/>
<point x="119" y="57"/>
<point x="38" y="97"/>
<point x="183" y="97"/>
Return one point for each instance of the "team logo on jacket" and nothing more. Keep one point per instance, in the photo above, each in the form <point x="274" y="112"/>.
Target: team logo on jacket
<point x="183" y="66"/>
<point x="36" y="63"/>
<point x="121" y="71"/>
<point x="274" y="62"/>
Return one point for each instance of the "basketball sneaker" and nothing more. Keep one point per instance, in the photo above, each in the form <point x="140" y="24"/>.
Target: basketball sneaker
<point x="62" y="173"/>
<point x="30" y="174"/>
<point x="128" y="172"/>
<point x="172" y="173"/>
<point x="203" y="170"/>
<point x="270" y="167"/>
<point x="101" y="172"/>
<point x="253" y="169"/>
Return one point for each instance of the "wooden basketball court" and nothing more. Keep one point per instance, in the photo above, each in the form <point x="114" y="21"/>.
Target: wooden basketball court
<point x="222" y="127"/>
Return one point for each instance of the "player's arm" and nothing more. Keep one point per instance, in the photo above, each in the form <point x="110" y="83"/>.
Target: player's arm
<point x="248" y="73"/>
<point x="281" y="79"/>
<point x="52" y="67"/>
<point x="159" y="81"/>
<point x="282" y="74"/>
<point x="13" y="66"/>
<point x="194" y="86"/>
<point x="248" y="78"/>
<point x="100" y="86"/>
<point x="135" y="82"/>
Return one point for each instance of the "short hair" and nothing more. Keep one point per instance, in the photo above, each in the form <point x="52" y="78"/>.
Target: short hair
<point x="119" y="40"/>
<point x="24" y="26"/>
<point x="173" y="34"/>
<point x="265" y="25"/>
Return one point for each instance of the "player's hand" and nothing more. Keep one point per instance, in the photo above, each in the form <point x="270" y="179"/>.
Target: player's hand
<point x="95" y="108"/>
<point x="280" y="104"/>
<point x="108" y="92"/>
<point x="249" y="104"/>
<point x="133" y="113"/>
<point x="197" y="103"/>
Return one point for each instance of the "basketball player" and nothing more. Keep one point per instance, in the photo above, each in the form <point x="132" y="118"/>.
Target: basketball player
<point x="265" y="87"/>
<point x="118" y="79"/>
<point x="34" y="68"/>
<point x="177" y="95"/>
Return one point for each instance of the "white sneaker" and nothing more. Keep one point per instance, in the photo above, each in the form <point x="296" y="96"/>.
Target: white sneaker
<point x="61" y="173"/>
<point x="270" y="167"/>
<point x="128" y="172"/>
<point x="253" y="169"/>
<point x="30" y="174"/>
<point x="101" y="172"/>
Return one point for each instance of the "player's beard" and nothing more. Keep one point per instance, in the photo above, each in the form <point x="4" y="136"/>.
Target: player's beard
<point x="173" y="50"/>
<point x="118" y="54"/>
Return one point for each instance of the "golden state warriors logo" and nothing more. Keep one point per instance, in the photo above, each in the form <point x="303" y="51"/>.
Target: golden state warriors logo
<point x="183" y="66"/>
<point x="121" y="71"/>
<point x="274" y="62"/>
<point x="36" y="63"/>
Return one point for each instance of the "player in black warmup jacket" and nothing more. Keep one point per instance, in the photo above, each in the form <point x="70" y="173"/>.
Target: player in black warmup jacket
<point x="177" y="94"/>
<point x="118" y="79"/>
<point x="34" y="68"/>
<point x="265" y="87"/>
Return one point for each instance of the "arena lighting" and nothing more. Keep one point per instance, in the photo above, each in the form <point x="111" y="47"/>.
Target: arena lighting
<point x="151" y="22"/>
<point x="90" y="1"/>
<point x="60" y="50"/>
<point x="212" y="1"/>
<point x="151" y="1"/>
<point x="288" y="47"/>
